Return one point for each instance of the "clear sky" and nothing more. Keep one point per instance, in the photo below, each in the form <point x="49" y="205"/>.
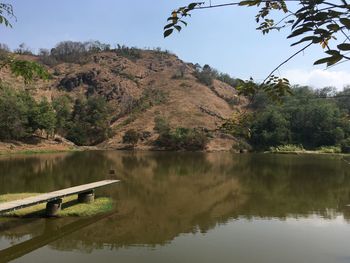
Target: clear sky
<point x="224" y="38"/>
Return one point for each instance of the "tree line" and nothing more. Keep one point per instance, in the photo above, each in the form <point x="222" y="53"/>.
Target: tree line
<point x="84" y="121"/>
<point x="310" y="118"/>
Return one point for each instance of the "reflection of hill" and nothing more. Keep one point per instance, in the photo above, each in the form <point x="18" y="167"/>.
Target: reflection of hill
<point x="157" y="201"/>
<point x="165" y="194"/>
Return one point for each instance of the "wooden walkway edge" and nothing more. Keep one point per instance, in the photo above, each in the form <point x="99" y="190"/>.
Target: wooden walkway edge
<point x="52" y="196"/>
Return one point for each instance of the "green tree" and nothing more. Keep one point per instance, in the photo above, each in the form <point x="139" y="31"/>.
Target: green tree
<point x="90" y="121"/>
<point x="13" y="115"/>
<point x="45" y="117"/>
<point x="270" y="128"/>
<point x="63" y="108"/>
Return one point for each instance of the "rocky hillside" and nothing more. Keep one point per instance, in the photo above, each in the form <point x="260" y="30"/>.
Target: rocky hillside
<point x="140" y="87"/>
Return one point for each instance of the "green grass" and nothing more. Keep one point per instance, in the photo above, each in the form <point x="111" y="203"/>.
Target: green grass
<point x="70" y="206"/>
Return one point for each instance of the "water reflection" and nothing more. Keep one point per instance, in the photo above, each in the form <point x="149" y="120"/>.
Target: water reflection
<point x="163" y="195"/>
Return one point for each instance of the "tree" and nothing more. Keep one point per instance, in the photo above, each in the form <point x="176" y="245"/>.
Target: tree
<point x="270" y="128"/>
<point x="90" y="120"/>
<point x="45" y="118"/>
<point x="13" y="115"/>
<point x="62" y="106"/>
<point x="131" y="137"/>
<point x="314" y="22"/>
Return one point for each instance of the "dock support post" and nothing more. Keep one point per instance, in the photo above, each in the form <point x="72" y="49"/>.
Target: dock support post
<point x="86" y="197"/>
<point x="53" y="208"/>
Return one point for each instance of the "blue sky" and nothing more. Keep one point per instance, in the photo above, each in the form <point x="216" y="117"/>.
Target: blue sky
<point x="224" y="38"/>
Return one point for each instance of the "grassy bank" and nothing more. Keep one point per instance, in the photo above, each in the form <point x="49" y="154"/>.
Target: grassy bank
<point x="70" y="206"/>
<point x="298" y="149"/>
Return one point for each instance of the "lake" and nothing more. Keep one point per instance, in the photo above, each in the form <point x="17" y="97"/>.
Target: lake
<point x="185" y="207"/>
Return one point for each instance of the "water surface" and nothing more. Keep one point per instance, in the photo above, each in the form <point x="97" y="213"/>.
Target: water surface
<point x="185" y="207"/>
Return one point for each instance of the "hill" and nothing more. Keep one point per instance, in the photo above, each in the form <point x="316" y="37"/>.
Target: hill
<point x="141" y="87"/>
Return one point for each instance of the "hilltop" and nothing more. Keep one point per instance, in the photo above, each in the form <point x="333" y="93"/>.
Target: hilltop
<point x="141" y="87"/>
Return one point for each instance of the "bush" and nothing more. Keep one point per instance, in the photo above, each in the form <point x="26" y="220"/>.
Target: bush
<point x="345" y="146"/>
<point x="131" y="137"/>
<point x="329" y="149"/>
<point x="287" y="148"/>
<point x="180" y="138"/>
<point x="205" y="75"/>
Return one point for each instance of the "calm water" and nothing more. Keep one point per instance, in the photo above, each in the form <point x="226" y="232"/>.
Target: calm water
<point x="185" y="207"/>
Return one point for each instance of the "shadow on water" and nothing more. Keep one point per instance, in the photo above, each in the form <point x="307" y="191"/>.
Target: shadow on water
<point x="162" y="195"/>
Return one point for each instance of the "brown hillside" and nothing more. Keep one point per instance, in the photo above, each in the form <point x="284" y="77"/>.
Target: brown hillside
<point x="165" y="80"/>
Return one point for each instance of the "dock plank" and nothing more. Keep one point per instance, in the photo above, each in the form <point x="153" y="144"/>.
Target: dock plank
<point x="48" y="197"/>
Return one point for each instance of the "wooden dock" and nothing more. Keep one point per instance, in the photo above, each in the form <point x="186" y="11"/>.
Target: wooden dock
<point x="54" y="199"/>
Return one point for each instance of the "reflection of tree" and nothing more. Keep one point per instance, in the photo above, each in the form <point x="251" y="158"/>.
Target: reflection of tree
<point x="49" y="172"/>
<point x="282" y="186"/>
<point x="162" y="195"/>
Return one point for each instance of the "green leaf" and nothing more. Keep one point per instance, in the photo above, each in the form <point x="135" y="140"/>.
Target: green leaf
<point x="168" y="32"/>
<point x="169" y="26"/>
<point x="344" y="47"/>
<point x="299" y="31"/>
<point x="314" y="39"/>
<point x="323" y="61"/>
<point x="178" y="28"/>
<point x="345" y="22"/>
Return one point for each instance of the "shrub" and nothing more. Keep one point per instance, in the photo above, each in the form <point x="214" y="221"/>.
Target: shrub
<point x="180" y="138"/>
<point x="204" y="75"/>
<point x="131" y="137"/>
<point x="329" y="149"/>
<point x="287" y="148"/>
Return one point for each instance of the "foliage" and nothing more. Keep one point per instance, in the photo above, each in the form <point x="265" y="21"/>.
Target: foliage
<point x="329" y="149"/>
<point x="205" y="75"/>
<point x="28" y="70"/>
<point x="44" y="117"/>
<point x="317" y="22"/>
<point x="149" y="98"/>
<point x="63" y="108"/>
<point x="131" y="137"/>
<point x="345" y="146"/>
<point x="90" y="121"/>
<point x="343" y="99"/>
<point x="6" y="13"/>
<point x="287" y="148"/>
<point x="238" y="125"/>
<point x="21" y="115"/>
<point x="270" y="128"/>
<point x="131" y="53"/>
<point x="304" y="119"/>
<point x="179" y="138"/>
<point x="13" y="115"/>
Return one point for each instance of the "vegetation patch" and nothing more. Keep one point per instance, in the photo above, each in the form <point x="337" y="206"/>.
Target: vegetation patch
<point x="287" y="148"/>
<point x="179" y="138"/>
<point x="70" y="206"/>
